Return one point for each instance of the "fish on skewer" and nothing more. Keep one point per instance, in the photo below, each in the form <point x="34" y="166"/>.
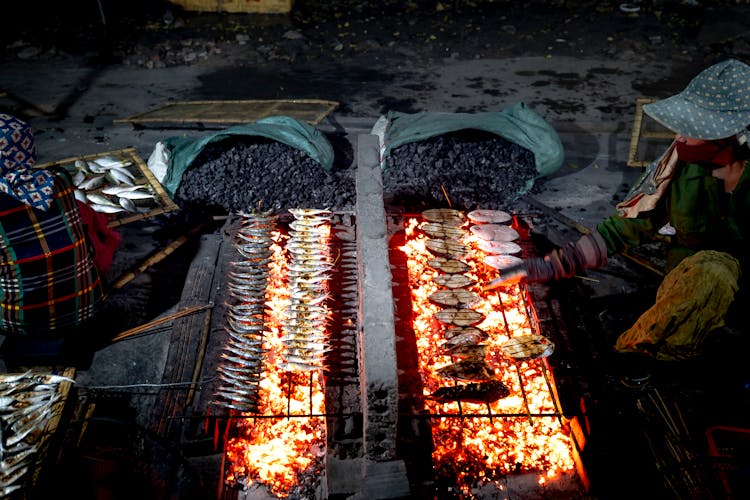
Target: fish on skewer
<point x="476" y="392"/>
<point x="453" y="280"/>
<point x="467" y="370"/>
<point x="445" y="216"/>
<point x="482" y="216"/>
<point x="494" y="232"/>
<point x="455" y="297"/>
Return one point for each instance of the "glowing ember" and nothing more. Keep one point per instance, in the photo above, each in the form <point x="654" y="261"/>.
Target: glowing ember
<point x="525" y="432"/>
<point x="284" y="444"/>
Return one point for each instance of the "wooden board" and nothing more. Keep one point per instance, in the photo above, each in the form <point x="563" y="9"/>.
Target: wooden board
<point x="648" y="138"/>
<point x="225" y="113"/>
<point x="162" y="204"/>
<point x="188" y="339"/>
<point x="252" y="6"/>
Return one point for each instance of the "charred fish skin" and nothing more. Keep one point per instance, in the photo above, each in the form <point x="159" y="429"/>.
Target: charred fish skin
<point x="467" y="370"/>
<point x="476" y="392"/>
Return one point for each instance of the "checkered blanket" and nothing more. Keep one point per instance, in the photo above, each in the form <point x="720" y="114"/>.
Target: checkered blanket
<point x="48" y="281"/>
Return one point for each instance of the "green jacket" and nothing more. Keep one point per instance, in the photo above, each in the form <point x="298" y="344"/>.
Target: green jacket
<point x="703" y="215"/>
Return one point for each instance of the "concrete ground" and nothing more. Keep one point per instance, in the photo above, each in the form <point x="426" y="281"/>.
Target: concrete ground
<point x="581" y="77"/>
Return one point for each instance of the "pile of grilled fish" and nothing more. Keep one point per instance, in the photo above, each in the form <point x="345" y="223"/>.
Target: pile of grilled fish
<point x="247" y="283"/>
<point x="26" y="404"/>
<point x="108" y="185"/>
<point x="305" y="327"/>
<point x="495" y="237"/>
<point x="464" y="341"/>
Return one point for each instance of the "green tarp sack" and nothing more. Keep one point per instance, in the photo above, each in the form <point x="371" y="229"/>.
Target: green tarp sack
<point x="517" y="124"/>
<point x="284" y="129"/>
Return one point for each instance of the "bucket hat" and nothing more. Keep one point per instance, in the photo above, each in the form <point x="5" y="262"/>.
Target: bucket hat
<point x="714" y="105"/>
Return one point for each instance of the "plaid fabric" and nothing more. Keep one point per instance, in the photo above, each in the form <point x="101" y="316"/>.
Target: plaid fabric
<point x="48" y="282"/>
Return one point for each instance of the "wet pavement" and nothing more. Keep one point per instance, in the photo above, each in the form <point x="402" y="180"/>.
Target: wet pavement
<point x="580" y="68"/>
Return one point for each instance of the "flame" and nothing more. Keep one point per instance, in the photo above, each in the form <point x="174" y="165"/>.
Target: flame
<point x="520" y="436"/>
<point x="275" y="450"/>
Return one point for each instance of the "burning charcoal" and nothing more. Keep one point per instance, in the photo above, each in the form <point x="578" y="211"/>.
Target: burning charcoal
<point x="469" y="168"/>
<point x="482" y="392"/>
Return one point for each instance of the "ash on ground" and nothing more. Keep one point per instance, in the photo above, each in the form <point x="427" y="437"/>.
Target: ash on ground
<point x="241" y="174"/>
<point x="468" y="169"/>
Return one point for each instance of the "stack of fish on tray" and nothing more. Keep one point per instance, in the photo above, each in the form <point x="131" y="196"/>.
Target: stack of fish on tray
<point x="247" y="282"/>
<point x="26" y="407"/>
<point x="464" y="341"/>
<point x="305" y="327"/>
<point x="495" y="237"/>
<point x="108" y="185"/>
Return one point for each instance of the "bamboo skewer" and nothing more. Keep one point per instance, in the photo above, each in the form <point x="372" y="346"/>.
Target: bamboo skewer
<point x="151" y="324"/>
<point x="156" y="258"/>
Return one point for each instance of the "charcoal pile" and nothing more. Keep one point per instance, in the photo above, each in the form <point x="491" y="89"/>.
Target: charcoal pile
<point x="477" y="170"/>
<point x="241" y="174"/>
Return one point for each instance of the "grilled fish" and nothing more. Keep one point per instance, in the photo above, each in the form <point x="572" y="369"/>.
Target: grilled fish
<point x="489" y="217"/>
<point x="475" y="352"/>
<point x="459" y="317"/>
<point x="445" y="216"/>
<point x="528" y="347"/>
<point x="440" y="230"/>
<point x="499" y="247"/>
<point x="455" y="298"/>
<point x="453" y="280"/>
<point x="477" y="392"/>
<point x="468" y="337"/>
<point x="447" y="248"/>
<point x="494" y="232"/>
<point x="448" y="265"/>
<point x="468" y="370"/>
<point x="502" y="261"/>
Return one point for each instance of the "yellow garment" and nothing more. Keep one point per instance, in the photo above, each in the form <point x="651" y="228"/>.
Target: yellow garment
<point x="691" y="302"/>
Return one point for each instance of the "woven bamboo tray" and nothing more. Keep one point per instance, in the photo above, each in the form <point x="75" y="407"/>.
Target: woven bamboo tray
<point x="647" y="134"/>
<point x="225" y="113"/>
<point x="162" y="202"/>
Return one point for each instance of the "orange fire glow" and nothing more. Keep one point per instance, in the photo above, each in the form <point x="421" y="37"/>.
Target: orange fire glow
<point x="525" y="433"/>
<point x="274" y="450"/>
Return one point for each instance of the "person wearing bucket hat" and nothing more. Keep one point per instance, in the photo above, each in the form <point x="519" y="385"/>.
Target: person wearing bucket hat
<point x="696" y="197"/>
<point x="51" y="266"/>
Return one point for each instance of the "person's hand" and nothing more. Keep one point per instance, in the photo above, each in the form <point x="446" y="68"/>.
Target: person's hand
<point x="587" y="253"/>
